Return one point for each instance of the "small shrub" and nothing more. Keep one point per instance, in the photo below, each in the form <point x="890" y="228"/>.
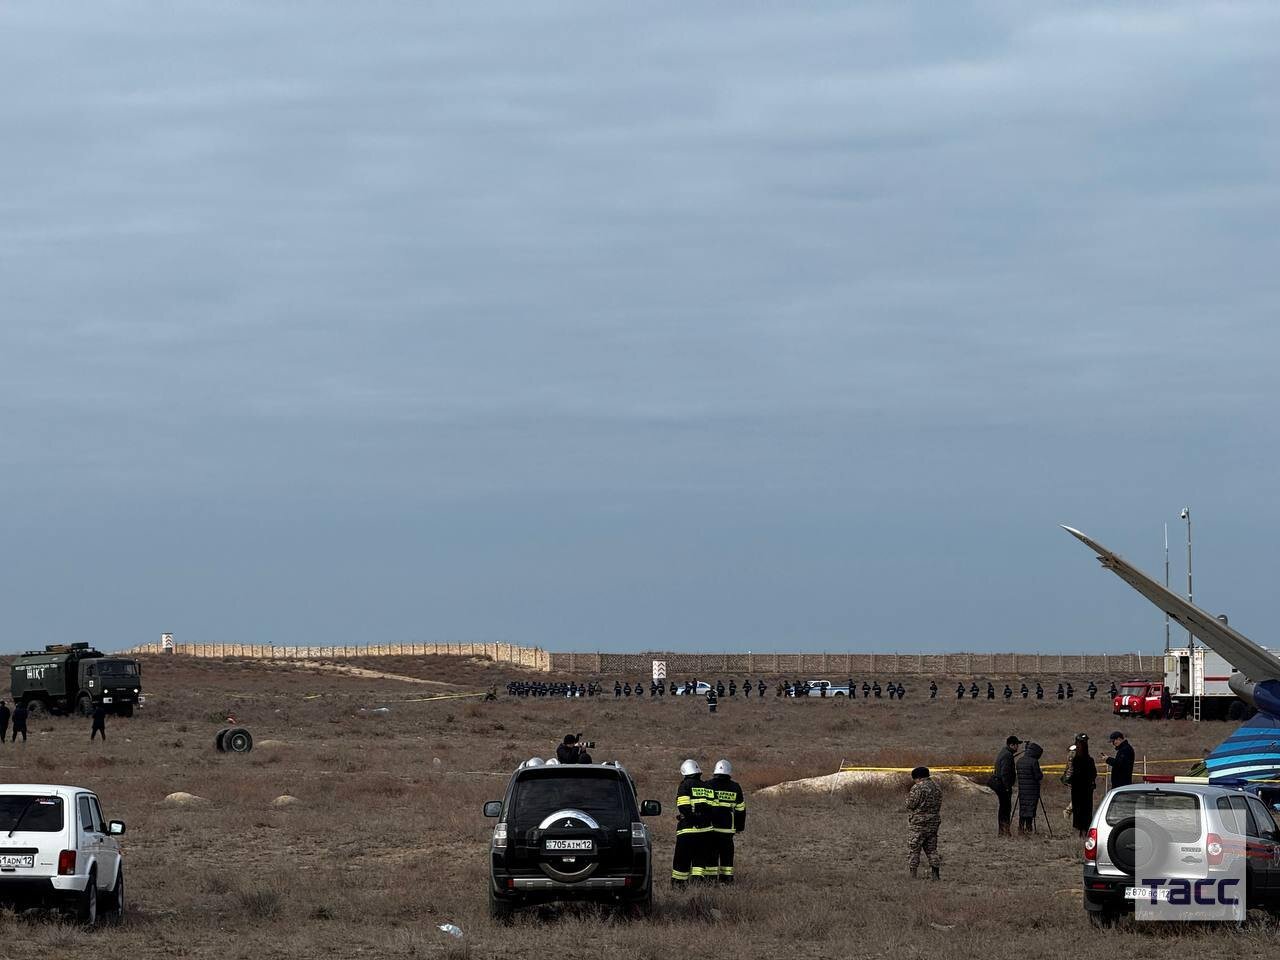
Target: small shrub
<point x="260" y="902"/>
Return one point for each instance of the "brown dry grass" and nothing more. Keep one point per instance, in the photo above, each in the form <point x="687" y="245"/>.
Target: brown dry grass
<point x="387" y="843"/>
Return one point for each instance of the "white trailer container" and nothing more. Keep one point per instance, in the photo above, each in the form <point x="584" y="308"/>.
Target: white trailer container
<point x="1191" y="672"/>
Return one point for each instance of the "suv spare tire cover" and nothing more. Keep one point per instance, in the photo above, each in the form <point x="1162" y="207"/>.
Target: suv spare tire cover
<point x="570" y="824"/>
<point x="1137" y="847"/>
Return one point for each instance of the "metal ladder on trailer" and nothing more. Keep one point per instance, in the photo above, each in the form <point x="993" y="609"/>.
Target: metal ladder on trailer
<point x="1197" y="685"/>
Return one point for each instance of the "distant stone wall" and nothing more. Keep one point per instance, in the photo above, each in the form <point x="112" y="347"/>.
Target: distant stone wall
<point x="863" y="665"/>
<point x="531" y="657"/>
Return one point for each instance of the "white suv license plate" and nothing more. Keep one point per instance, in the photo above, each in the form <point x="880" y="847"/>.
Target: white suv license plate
<point x="1144" y="893"/>
<point x="17" y="860"/>
<point x="573" y="846"/>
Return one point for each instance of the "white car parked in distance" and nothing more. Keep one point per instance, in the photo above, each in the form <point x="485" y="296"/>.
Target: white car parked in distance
<point x="56" y="850"/>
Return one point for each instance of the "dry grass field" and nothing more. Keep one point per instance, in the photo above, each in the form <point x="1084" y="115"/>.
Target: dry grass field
<point x="387" y="839"/>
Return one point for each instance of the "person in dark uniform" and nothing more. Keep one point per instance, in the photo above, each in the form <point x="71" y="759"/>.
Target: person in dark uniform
<point x="719" y="688"/>
<point x="712" y="699"/>
<point x="902" y="691"/>
<point x="20" y="721"/>
<point x="760" y="687"/>
<point x="728" y="817"/>
<point x="639" y="688"/>
<point x="875" y="689"/>
<point x="1039" y="690"/>
<point x="1024" y="691"/>
<point x="1122" y="763"/>
<point x="933" y="689"/>
<point x="626" y="689"/>
<point x="866" y="690"/>
<point x="733" y="688"/>
<point x="746" y="687"/>
<point x="4" y="720"/>
<point x="1071" y="691"/>
<point x="1113" y="692"/>
<point x="853" y="691"/>
<point x="1166" y="703"/>
<point x="1008" y="692"/>
<point x="973" y="690"/>
<point x="1062" y="692"/>
<point x="991" y="690"/>
<point x="617" y="688"/>
<point x="960" y="690"/>
<point x="1092" y="690"/>
<point x="693" y="823"/>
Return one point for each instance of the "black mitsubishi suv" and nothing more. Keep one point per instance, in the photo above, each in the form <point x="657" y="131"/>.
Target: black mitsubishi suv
<point x="570" y="832"/>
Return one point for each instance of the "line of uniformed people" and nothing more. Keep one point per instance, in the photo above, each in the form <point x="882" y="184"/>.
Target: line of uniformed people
<point x="1065" y="691"/>
<point x="709" y="813"/>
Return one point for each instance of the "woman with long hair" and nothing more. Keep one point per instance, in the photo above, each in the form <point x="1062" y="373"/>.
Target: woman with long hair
<point x="1083" y="781"/>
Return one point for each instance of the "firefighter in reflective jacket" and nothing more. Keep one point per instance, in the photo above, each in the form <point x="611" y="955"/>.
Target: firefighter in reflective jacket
<point x="728" y="816"/>
<point x="693" y="826"/>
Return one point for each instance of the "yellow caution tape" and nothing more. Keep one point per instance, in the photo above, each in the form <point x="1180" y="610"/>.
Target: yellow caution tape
<point x="442" y="696"/>
<point x="981" y="768"/>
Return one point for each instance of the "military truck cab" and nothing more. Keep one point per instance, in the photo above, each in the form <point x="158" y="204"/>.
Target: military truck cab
<point x="66" y="678"/>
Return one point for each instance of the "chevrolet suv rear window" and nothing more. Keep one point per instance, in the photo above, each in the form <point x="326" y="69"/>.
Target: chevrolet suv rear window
<point x="597" y="793"/>
<point x="30" y="813"/>
<point x="1179" y="813"/>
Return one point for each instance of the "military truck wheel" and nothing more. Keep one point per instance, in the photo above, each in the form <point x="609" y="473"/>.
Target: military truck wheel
<point x="84" y="706"/>
<point x="35" y="708"/>
<point x="219" y="741"/>
<point x="238" y="740"/>
<point x="126" y="710"/>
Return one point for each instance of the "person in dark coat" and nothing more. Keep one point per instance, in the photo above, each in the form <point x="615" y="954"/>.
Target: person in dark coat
<point x="1008" y="692"/>
<point x="1122" y="763"/>
<point x="973" y="690"/>
<point x="1024" y="691"/>
<point x="959" y="691"/>
<point x="99" y="723"/>
<point x="20" y="722"/>
<point x="1166" y="703"/>
<point x="1083" y="781"/>
<point x="4" y="720"/>
<point x="933" y="689"/>
<point x="1003" y="777"/>
<point x="1039" y="690"/>
<point x="1029" y="777"/>
<point x="991" y="690"/>
<point x="761" y="688"/>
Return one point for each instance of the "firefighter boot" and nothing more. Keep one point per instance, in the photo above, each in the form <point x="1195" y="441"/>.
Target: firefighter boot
<point x="935" y="873"/>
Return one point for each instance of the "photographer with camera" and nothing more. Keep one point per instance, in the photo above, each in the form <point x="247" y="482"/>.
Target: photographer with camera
<point x="574" y="749"/>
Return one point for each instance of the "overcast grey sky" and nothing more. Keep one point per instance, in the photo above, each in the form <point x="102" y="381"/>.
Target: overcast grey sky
<point x="628" y="326"/>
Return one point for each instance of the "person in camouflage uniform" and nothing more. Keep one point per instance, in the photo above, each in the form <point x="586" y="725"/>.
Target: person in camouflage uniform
<point x="924" y="814"/>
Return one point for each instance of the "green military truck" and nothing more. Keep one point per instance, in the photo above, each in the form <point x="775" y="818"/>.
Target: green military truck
<point x="64" y="678"/>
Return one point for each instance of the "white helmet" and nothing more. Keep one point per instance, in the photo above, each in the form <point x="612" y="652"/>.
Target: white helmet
<point x="725" y="767"/>
<point x="689" y="768"/>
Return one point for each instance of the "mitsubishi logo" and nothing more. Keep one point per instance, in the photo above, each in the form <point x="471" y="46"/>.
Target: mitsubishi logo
<point x="568" y="823"/>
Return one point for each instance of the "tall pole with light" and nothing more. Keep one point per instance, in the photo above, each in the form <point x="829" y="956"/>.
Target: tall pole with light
<point x="1166" y="586"/>
<point x="1186" y="515"/>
